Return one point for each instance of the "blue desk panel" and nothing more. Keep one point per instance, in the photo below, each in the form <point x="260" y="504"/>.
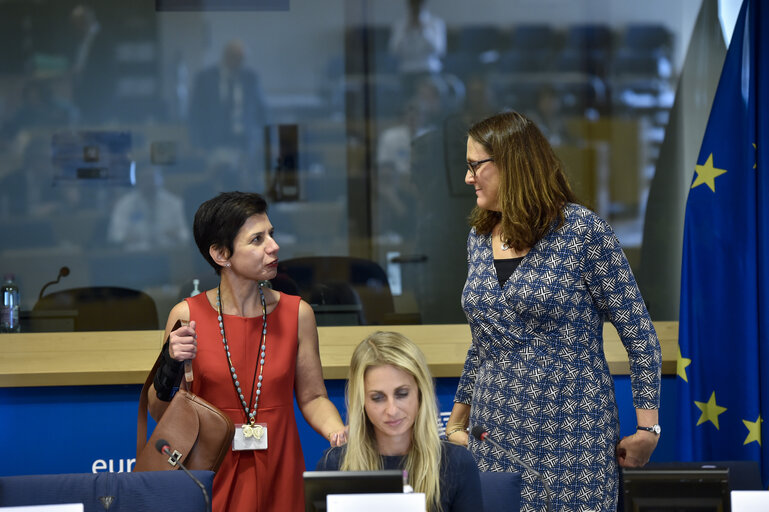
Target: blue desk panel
<point x="82" y="429"/>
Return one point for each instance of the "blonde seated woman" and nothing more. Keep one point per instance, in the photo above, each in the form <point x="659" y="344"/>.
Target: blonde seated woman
<point x="393" y="418"/>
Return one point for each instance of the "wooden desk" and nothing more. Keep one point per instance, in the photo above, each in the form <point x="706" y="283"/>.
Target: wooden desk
<point x="125" y="357"/>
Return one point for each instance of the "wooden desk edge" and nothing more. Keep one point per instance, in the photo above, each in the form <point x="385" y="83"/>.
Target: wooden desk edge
<point x="85" y="359"/>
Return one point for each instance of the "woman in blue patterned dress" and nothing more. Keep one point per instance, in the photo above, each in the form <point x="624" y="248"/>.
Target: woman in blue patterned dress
<point x="543" y="274"/>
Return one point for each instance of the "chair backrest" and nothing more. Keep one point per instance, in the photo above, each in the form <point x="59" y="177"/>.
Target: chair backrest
<point x="104" y="308"/>
<point x="118" y="492"/>
<point x="338" y="281"/>
<point x="501" y="491"/>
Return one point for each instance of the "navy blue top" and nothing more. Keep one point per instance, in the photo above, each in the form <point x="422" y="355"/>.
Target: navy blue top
<point x="460" y="481"/>
<point x="505" y="268"/>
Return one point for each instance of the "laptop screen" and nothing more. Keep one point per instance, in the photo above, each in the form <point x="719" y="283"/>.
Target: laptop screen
<point x="318" y="484"/>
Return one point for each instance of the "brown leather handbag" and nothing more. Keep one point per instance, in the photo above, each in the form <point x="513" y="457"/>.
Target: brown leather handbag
<point x="198" y="434"/>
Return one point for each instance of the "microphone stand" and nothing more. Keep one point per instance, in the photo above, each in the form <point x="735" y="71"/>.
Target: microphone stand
<point x="63" y="272"/>
<point x="173" y="459"/>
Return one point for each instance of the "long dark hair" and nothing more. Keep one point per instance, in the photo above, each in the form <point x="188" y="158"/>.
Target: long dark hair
<point x="533" y="188"/>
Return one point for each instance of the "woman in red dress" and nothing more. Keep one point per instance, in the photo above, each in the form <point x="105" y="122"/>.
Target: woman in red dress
<point x="252" y="350"/>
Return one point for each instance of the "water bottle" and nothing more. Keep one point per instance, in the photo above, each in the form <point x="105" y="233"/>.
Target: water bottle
<point x="195" y="289"/>
<point x="9" y="316"/>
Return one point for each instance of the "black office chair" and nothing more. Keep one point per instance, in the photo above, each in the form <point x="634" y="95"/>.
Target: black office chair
<point x="331" y="282"/>
<point x="102" y="308"/>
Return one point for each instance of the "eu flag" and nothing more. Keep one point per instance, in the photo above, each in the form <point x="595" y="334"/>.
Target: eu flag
<point x="723" y="367"/>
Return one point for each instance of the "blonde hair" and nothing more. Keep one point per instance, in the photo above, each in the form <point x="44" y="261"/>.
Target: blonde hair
<point x="424" y="456"/>
<point x="533" y="188"/>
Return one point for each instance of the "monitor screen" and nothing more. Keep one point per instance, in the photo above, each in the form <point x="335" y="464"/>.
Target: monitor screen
<point x="318" y="484"/>
<point x="676" y="490"/>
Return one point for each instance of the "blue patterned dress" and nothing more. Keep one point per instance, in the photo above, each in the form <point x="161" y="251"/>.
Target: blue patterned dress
<point x="536" y="376"/>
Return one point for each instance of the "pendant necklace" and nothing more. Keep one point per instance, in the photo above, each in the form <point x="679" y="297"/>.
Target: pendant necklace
<point x="503" y="245"/>
<point x="252" y="428"/>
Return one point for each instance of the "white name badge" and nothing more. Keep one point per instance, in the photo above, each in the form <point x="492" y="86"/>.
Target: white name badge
<point x="250" y="437"/>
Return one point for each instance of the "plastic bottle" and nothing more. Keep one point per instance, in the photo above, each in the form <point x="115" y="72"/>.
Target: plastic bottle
<point x="195" y="287"/>
<point x="9" y="315"/>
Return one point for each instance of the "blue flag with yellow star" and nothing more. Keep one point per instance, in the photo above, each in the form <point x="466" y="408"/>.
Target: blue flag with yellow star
<point x="723" y="365"/>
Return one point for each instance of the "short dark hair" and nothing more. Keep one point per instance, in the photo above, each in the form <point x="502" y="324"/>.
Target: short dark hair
<point x="219" y="219"/>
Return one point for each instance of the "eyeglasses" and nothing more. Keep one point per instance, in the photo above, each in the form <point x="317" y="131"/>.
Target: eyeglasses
<point x="472" y="167"/>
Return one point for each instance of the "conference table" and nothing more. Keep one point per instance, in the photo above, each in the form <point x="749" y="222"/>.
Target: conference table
<point x="68" y="400"/>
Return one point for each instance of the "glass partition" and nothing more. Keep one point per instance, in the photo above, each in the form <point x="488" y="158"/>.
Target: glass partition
<point x="119" y="118"/>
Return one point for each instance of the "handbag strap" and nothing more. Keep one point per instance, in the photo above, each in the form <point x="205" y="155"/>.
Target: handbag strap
<point x="141" y="420"/>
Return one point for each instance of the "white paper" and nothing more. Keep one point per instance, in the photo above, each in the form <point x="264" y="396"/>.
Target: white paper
<point x="66" y="507"/>
<point x="750" y="501"/>
<point x="385" y="502"/>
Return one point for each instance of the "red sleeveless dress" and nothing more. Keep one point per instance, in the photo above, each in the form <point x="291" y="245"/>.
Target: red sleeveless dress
<point x="255" y="480"/>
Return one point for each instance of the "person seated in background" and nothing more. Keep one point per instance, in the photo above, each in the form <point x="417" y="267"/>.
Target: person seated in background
<point x="393" y="422"/>
<point x="395" y="188"/>
<point x="148" y="217"/>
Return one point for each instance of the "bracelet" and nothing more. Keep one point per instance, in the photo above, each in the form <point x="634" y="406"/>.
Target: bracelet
<point x="454" y="431"/>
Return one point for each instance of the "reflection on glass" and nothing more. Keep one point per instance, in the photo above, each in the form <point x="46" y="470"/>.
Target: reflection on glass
<point x="359" y="114"/>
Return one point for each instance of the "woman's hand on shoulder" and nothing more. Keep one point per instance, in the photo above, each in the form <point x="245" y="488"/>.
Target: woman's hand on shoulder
<point x="635" y="451"/>
<point x="339" y="437"/>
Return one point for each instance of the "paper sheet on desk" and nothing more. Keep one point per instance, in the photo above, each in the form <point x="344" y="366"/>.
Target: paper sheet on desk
<point x="750" y="501"/>
<point x="385" y="502"/>
<point x="67" y="507"/>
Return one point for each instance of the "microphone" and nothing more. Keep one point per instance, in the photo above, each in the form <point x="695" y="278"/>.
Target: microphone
<point x="63" y="272"/>
<point x="174" y="459"/>
<point x="482" y="435"/>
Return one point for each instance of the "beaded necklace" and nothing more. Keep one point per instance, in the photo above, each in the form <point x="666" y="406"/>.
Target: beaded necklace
<point x="250" y="415"/>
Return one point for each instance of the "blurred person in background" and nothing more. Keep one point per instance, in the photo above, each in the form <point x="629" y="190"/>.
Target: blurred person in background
<point x="92" y="66"/>
<point x="227" y="108"/>
<point x="418" y="42"/>
<point x="149" y="216"/>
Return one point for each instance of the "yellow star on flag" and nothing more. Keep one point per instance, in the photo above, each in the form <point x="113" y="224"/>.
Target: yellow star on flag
<point x="710" y="411"/>
<point x="707" y="174"/>
<point x="681" y="364"/>
<point x="754" y="147"/>
<point x="754" y="430"/>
